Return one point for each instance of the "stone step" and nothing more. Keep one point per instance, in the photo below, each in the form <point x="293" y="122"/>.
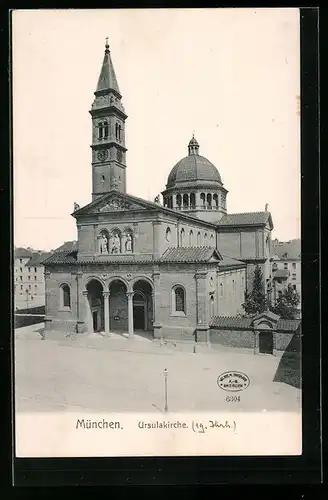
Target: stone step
<point x="122" y="342"/>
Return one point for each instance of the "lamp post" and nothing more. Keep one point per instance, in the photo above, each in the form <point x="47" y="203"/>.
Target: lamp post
<point x="165" y="388"/>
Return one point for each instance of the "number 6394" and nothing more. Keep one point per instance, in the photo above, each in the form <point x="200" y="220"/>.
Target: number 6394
<point x="232" y="399"/>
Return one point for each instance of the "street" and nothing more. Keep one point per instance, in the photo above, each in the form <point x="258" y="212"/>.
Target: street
<point x="58" y="376"/>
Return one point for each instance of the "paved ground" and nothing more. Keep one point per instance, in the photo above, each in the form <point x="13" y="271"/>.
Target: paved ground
<point x="66" y="376"/>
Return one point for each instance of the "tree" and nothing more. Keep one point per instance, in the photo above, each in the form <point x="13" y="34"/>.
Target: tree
<point x="256" y="301"/>
<point x="286" y="304"/>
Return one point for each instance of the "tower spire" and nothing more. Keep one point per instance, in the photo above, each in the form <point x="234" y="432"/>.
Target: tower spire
<point x="107" y="78"/>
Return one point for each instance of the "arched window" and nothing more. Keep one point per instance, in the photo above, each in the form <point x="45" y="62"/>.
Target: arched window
<point x="192" y="200"/>
<point x="179" y="300"/>
<point x="65" y="296"/>
<point x="102" y="178"/>
<point x="198" y="239"/>
<point x="216" y="200"/>
<point x="223" y="200"/>
<point x="233" y="285"/>
<point x="168" y="234"/>
<point x="100" y="130"/>
<point x="191" y="238"/>
<point x="209" y="200"/>
<point x="105" y="129"/>
<point x="178" y="200"/>
<point x="211" y="239"/>
<point x="212" y="307"/>
<point x="182" y="235"/>
<point x="202" y="197"/>
<point x="185" y="201"/>
<point x="221" y="290"/>
<point x="205" y="239"/>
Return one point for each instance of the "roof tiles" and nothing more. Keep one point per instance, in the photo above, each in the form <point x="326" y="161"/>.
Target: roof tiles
<point x="247" y="218"/>
<point x="243" y="323"/>
<point x="189" y="254"/>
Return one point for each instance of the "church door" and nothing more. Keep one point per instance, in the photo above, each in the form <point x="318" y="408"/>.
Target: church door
<point x="95" y="320"/>
<point x="139" y="317"/>
<point x="266" y="342"/>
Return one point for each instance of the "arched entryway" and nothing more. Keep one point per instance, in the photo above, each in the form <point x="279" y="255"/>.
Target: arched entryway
<point x="142" y="306"/>
<point x="266" y="342"/>
<point x="96" y="305"/>
<point x="118" y="306"/>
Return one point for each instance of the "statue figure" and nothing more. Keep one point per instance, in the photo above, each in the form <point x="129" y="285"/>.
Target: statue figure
<point x="76" y="207"/>
<point x="156" y="199"/>
<point x="128" y="243"/>
<point x="116" y="247"/>
<point x="103" y="244"/>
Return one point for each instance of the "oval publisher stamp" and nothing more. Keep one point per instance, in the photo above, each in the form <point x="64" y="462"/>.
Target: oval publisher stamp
<point x="233" y="381"/>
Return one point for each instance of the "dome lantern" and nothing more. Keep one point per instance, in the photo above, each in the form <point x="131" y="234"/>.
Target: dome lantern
<point x="194" y="185"/>
<point x="193" y="146"/>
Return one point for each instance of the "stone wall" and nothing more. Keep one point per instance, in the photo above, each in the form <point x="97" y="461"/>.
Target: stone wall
<point x="245" y="338"/>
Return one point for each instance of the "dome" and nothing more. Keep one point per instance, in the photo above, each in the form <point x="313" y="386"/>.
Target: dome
<point x="193" y="169"/>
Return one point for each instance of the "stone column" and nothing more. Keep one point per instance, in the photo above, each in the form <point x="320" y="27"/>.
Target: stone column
<point x="274" y="341"/>
<point x="80" y="322"/>
<point x="106" y="295"/>
<point x="202" y="308"/>
<point x="157" y="325"/>
<point x="88" y="315"/>
<point x="48" y="318"/>
<point x="256" y="342"/>
<point x="130" y="313"/>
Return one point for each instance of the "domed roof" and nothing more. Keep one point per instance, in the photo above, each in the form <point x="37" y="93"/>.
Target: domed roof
<point x="193" y="168"/>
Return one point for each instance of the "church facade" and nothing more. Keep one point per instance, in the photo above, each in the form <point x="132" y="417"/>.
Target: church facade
<point x="164" y="268"/>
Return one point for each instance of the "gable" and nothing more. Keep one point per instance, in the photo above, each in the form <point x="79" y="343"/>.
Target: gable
<point x="114" y="202"/>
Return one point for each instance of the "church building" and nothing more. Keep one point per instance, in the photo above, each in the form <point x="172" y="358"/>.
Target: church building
<point x="163" y="267"/>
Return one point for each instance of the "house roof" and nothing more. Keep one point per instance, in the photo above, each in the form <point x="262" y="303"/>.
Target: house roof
<point x="38" y="258"/>
<point x="237" y="323"/>
<point x="246" y="219"/>
<point x="68" y="246"/>
<point x="66" y="257"/>
<point x="229" y="262"/>
<point x="281" y="274"/>
<point x="21" y="253"/>
<point x="290" y="250"/>
<point x="190" y="254"/>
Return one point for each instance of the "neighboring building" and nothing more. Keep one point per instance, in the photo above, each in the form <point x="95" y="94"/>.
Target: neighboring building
<point x="29" y="287"/>
<point x="286" y="266"/>
<point x="140" y="265"/>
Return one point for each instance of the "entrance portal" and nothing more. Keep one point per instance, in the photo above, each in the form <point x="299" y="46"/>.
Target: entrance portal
<point x="142" y="306"/>
<point x="266" y="342"/>
<point x="139" y="317"/>
<point x="118" y="307"/>
<point x="96" y="305"/>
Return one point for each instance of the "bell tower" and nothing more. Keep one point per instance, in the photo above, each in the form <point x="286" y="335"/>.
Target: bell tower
<point x="108" y="133"/>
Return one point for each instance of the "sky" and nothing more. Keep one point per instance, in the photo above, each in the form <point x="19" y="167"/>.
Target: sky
<point x="231" y="76"/>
